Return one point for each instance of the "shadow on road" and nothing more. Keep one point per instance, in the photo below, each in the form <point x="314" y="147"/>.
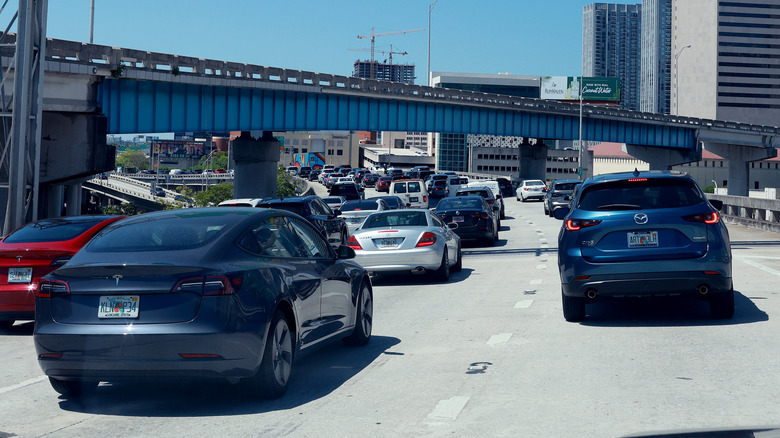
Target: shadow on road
<point x="314" y="375"/>
<point x="668" y="312"/>
<point x="21" y="328"/>
<point x="419" y="279"/>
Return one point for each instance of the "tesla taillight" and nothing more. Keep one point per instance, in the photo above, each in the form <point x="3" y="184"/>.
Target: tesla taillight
<point x="59" y="261"/>
<point x="48" y="287"/>
<point x="208" y="286"/>
<point x="577" y="224"/>
<point x="427" y="239"/>
<point x="707" y="218"/>
<point x="353" y="243"/>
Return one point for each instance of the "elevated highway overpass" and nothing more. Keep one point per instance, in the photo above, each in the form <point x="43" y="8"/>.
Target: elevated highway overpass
<point x="91" y="90"/>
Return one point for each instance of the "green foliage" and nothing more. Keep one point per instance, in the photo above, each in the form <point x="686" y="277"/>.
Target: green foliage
<point x="285" y="185"/>
<point x="214" y="194"/>
<point x="218" y="160"/>
<point x="709" y="189"/>
<point x="127" y="208"/>
<point x="131" y="158"/>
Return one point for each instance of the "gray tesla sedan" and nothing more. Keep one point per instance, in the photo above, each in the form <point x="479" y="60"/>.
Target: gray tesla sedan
<point x="213" y="293"/>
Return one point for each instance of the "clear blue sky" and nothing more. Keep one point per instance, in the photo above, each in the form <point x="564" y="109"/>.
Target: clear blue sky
<point x="523" y="37"/>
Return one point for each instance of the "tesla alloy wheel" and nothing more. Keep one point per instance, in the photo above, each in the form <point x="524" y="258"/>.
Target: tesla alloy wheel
<point x="274" y="374"/>
<point x="365" y="318"/>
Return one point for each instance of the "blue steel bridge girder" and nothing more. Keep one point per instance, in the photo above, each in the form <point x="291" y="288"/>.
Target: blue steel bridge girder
<point x="134" y="106"/>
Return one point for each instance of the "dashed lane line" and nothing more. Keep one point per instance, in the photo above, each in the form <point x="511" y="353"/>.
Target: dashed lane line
<point x="523" y="304"/>
<point x="501" y="338"/>
<point x="449" y="409"/>
<point x="760" y="266"/>
<point x="23" y="384"/>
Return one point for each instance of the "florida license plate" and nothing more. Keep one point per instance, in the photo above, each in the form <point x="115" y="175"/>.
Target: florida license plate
<point x="643" y="239"/>
<point x="118" y="307"/>
<point x="388" y="243"/>
<point x="19" y="275"/>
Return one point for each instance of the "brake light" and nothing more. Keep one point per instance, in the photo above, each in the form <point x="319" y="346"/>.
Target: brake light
<point x="480" y="215"/>
<point x="490" y="201"/>
<point x="353" y="243"/>
<point x="637" y="180"/>
<point x="48" y="287"/>
<point x="427" y="239"/>
<point x="577" y="224"/>
<point x="211" y="285"/>
<point x="707" y="218"/>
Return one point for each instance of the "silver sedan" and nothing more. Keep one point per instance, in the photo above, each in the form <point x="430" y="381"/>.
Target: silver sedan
<point x="407" y="241"/>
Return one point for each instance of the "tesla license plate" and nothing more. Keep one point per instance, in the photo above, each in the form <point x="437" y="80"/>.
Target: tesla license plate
<point x="19" y="275"/>
<point x="643" y="239"/>
<point x="118" y="307"/>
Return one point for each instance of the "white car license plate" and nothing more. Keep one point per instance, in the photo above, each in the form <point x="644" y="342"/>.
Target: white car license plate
<point x="643" y="239"/>
<point x="413" y="199"/>
<point x="457" y="218"/>
<point x="118" y="307"/>
<point x="388" y="243"/>
<point x="19" y="275"/>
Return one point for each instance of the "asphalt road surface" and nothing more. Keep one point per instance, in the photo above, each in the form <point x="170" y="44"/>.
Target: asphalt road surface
<point x="487" y="354"/>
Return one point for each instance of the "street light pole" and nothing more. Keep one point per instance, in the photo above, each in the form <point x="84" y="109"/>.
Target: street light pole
<point x="677" y="80"/>
<point x="430" y="8"/>
<point x="91" y="21"/>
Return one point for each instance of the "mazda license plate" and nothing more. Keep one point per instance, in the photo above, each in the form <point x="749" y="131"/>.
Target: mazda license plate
<point x="118" y="306"/>
<point x="19" y="275"/>
<point x="643" y="239"/>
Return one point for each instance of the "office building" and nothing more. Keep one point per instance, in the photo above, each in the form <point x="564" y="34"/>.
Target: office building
<point x="611" y="36"/>
<point x="656" y="62"/>
<point x="731" y="69"/>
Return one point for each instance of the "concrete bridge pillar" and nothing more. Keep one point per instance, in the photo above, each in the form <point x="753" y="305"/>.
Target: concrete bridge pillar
<point x="256" y="161"/>
<point x="739" y="158"/>
<point x="54" y="197"/>
<point x="533" y="161"/>
<point x="662" y="158"/>
<point x="73" y="198"/>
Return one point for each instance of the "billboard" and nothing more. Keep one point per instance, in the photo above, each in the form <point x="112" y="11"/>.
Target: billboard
<point x="568" y="88"/>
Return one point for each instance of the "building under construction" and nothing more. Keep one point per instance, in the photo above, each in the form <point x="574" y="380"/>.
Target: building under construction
<point x="384" y="72"/>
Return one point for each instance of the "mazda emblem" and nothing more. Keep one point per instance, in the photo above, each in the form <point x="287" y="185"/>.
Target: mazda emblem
<point x="640" y="218"/>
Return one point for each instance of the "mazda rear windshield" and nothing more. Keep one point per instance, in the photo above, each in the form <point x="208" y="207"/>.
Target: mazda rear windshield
<point x="644" y="194"/>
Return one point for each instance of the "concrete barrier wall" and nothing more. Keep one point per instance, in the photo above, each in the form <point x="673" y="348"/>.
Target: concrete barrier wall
<point x="751" y="212"/>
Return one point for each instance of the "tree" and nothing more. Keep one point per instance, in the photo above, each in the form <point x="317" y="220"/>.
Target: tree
<point x="218" y="160"/>
<point x="214" y="194"/>
<point x="284" y="183"/>
<point x="135" y="159"/>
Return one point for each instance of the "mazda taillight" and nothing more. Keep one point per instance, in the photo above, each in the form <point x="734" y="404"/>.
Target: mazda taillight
<point x="480" y="215"/>
<point x="707" y="218"/>
<point x="577" y="224"/>
<point x="353" y="243"/>
<point x="48" y="287"/>
<point x="427" y="239"/>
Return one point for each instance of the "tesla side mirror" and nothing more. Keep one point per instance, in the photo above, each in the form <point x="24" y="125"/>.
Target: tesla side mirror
<point x="560" y="212"/>
<point x="717" y="203"/>
<point x="345" y="253"/>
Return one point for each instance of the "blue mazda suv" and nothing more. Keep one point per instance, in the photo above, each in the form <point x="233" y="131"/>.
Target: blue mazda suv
<point x="638" y="234"/>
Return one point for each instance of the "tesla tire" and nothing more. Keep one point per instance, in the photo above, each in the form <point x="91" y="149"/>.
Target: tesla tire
<point x="365" y="318"/>
<point x="274" y="373"/>
<point x="72" y="388"/>
<point x="573" y="308"/>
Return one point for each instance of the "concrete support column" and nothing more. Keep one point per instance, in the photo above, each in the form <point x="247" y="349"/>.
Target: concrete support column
<point x="256" y="165"/>
<point x="663" y="158"/>
<point x="55" y="199"/>
<point x="73" y="198"/>
<point x="739" y="158"/>
<point x="533" y="162"/>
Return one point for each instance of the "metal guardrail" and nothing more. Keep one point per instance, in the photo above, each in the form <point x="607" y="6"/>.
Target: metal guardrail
<point x="751" y="212"/>
<point x="120" y="62"/>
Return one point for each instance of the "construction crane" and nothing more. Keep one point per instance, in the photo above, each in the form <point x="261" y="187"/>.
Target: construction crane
<point x="373" y="39"/>
<point x="390" y="52"/>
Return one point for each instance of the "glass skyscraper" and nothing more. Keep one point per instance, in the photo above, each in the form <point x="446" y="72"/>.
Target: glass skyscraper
<point x="611" y="46"/>
<point x="656" y="65"/>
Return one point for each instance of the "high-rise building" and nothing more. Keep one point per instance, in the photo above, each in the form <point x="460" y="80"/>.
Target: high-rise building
<point x="384" y="72"/>
<point x="611" y="36"/>
<point x="726" y="60"/>
<point x="656" y="63"/>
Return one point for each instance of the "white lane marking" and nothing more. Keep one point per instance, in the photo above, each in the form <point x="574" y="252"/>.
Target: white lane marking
<point x="501" y="338"/>
<point x="449" y="409"/>
<point x="523" y="304"/>
<point x="541" y="266"/>
<point x="761" y="267"/>
<point x="740" y="257"/>
<point x="537" y="281"/>
<point x="23" y="384"/>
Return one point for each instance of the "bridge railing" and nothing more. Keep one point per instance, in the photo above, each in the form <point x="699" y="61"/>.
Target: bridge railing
<point x="122" y="62"/>
<point x="752" y="212"/>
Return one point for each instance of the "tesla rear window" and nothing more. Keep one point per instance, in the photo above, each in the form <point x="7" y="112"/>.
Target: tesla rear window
<point x="640" y="195"/>
<point x="169" y="234"/>
<point x="51" y="231"/>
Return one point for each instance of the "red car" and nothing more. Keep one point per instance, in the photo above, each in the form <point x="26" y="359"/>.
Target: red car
<point x="34" y="250"/>
<point x="383" y="184"/>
